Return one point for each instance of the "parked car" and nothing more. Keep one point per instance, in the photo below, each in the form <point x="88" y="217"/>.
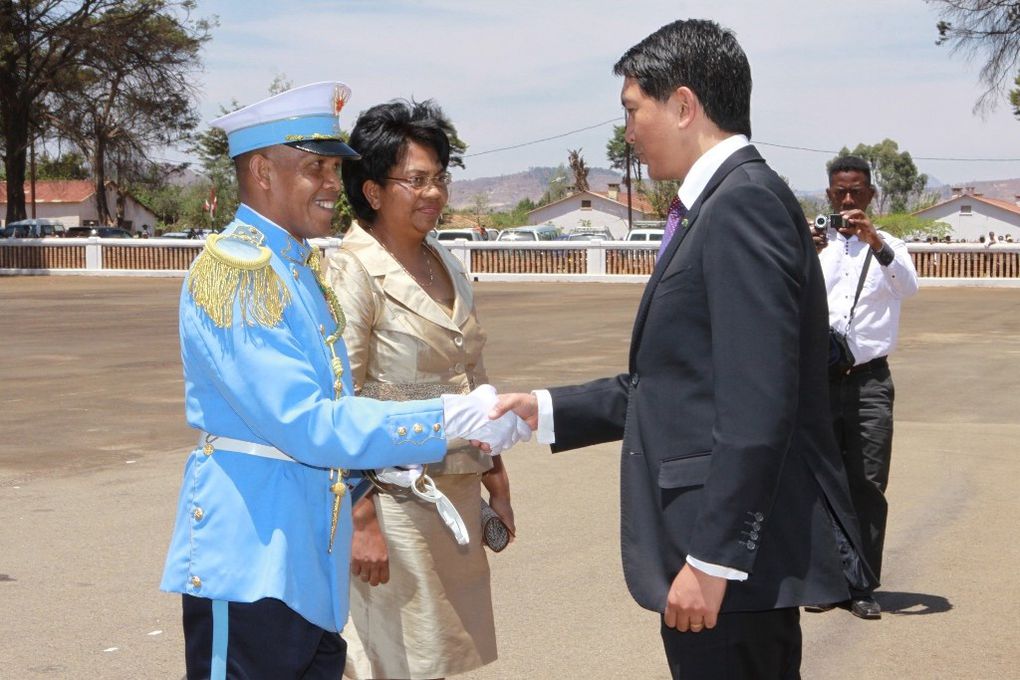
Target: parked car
<point x="544" y="232"/>
<point x="590" y="234"/>
<point x="460" y="234"/>
<point x="174" y="234"/>
<point x="36" y="227"/>
<point x="645" y="235"/>
<point x="101" y="232"/>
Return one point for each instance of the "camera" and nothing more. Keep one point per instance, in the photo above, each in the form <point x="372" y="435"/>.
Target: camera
<point x="824" y="222"/>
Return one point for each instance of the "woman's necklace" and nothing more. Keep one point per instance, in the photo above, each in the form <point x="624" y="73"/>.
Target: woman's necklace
<point x="428" y="264"/>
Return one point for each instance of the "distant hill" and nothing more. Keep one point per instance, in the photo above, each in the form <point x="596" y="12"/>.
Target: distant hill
<point x="1003" y="189"/>
<point x="506" y="191"/>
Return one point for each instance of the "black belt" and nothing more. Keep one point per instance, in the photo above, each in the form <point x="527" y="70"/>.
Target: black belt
<point x="880" y="362"/>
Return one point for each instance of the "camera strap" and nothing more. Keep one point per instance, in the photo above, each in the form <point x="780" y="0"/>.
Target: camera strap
<point x="860" y="286"/>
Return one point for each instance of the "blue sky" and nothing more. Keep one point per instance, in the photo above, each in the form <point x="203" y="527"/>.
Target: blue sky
<point x="826" y="74"/>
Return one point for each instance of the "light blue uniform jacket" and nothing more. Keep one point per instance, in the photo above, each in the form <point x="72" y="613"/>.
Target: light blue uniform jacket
<point x="249" y="527"/>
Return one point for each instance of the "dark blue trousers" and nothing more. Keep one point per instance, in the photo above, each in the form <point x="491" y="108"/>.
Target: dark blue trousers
<point x="742" y="646"/>
<point x="262" y="640"/>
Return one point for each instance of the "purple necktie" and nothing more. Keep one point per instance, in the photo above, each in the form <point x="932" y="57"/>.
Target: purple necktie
<point x="677" y="211"/>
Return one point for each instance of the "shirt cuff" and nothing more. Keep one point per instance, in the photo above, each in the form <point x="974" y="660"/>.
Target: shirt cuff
<point x="545" y="432"/>
<point x="717" y="570"/>
<point x="885" y="256"/>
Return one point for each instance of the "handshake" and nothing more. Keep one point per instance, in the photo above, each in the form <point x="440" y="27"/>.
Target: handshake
<point x="470" y="416"/>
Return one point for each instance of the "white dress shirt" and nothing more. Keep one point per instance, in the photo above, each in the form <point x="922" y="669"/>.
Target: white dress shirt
<point x="876" y="321"/>
<point x="690" y="189"/>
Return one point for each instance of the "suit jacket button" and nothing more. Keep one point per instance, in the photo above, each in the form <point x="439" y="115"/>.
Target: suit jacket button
<point x="751" y="545"/>
<point x="634" y="380"/>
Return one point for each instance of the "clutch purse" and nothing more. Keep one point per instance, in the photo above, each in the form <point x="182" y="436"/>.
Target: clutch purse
<point x="495" y="534"/>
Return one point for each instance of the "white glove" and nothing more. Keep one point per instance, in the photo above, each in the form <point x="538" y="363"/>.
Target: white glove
<point x="503" y="433"/>
<point x="467" y="417"/>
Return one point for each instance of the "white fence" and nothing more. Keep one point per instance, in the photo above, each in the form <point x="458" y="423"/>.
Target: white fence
<point x="956" y="264"/>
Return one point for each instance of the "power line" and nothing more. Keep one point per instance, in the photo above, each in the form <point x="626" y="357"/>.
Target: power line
<point x="757" y="142"/>
<point x="544" y="139"/>
<point x="916" y="158"/>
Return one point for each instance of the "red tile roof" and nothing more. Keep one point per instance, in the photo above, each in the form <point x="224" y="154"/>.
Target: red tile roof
<point x="998" y="203"/>
<point x="638" y="200"/>
<point x="55" y="191"/>
<point x="1005" y="205"/>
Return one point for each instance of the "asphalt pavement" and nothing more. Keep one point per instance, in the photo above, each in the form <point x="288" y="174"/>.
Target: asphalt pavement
<point x="93" y="444"/>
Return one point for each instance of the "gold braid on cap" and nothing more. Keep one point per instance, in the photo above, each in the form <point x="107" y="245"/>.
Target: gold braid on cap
<point x="219" y="279"/>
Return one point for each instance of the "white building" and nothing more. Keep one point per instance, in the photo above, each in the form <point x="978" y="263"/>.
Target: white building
<point x="973" y="216"/>
<point x="594" y="209"/>
<point x="73" y="203"/>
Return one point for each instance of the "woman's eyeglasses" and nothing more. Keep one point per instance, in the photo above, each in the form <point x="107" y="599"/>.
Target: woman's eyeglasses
<point x="421" y="182"/>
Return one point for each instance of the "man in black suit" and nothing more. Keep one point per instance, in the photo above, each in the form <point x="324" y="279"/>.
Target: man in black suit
<point x="735" y="507"/>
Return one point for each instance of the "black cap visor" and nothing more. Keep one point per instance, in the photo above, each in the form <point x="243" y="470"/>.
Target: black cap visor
<point x="325" y="147"/>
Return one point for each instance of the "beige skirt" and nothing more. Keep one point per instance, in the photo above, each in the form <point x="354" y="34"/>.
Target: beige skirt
<point x="433" y="618"/>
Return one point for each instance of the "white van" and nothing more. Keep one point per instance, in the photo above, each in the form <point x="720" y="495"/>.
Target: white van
<point x="644" y="235"/>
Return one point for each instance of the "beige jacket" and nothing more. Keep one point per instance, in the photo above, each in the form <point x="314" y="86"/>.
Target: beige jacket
<point x="396" y="333"/>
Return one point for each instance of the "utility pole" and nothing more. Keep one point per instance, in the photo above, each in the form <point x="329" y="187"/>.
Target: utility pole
<point x="630" y="210"/>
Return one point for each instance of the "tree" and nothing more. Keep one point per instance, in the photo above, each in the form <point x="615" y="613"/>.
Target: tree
<point x="1014" y="98"/>
<point x="64" y="166"/>
<point x="986" y="28"/>
<point x="661" y="195"/>
<point x="557" y="187"/>
<point x="133" y="92"/>
<point x="906" y="226"/>
<point x="892" y="172"/>
<point x="579" y="169"/>
<point x="618" y="151"/>
<point x="42" y="44"/>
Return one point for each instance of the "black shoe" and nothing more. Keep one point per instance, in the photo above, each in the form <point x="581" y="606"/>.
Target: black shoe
<point x="865" y="608"/>
<point x="819" y="608"/>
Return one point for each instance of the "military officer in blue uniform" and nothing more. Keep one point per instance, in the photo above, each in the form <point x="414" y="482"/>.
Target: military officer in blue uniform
<point x="260" y="548"/>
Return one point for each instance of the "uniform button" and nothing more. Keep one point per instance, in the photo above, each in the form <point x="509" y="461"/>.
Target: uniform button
<point x="198" y="514"/>
<point x="208" y="449"/>
<point x="402" y="431"/>
<point x="295" y="274"/>
<point x="756" y="526"/>
<point x="196" y="582"/>
<point x="458" y="367"/>
<point x="758" y="517"/>
<point x="436" y="427"/>
<point x="418" y="428"/>
<point x="634" y="380"/>
<point x="322" y="329"/>
<point x="754" y="535"/>
<point x="458" y="341"/>
<point x="751" y="545"/>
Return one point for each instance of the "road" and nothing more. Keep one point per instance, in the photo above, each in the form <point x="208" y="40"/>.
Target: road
<point x="94" y="442"/>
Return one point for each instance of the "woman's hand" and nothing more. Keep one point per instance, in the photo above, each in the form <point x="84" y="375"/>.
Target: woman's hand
<point x="370" y="558"/>
<point x="501" y="506"/>
<point x="497" y="482"/>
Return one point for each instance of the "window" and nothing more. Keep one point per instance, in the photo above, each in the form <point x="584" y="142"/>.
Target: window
<point x="966" y="209"/>
<point x="585" y="204"/>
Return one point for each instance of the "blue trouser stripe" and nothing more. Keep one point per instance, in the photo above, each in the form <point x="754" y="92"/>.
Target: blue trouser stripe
<point x="221" y="630"/>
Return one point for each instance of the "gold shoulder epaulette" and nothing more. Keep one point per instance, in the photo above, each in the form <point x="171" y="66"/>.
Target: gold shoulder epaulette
<point x="234" y="267"/>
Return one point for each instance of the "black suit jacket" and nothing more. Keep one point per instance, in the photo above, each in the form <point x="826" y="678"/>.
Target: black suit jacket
<point x="728" y="451"/>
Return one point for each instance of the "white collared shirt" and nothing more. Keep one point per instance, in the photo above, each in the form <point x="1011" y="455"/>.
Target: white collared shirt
<point x="690" y="190"/>
<point x="876" y="321"/>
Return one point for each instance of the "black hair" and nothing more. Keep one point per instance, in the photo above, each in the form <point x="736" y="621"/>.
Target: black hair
<point x="850" y="164"/>
<point x="381" y="135"/>
<point x="702" y="56"/>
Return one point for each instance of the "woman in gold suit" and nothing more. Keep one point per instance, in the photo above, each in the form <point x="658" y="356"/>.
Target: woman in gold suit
<point x="422" y="607"/>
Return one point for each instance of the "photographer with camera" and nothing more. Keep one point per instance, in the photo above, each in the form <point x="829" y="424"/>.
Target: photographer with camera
<point x="867" y="275"/>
